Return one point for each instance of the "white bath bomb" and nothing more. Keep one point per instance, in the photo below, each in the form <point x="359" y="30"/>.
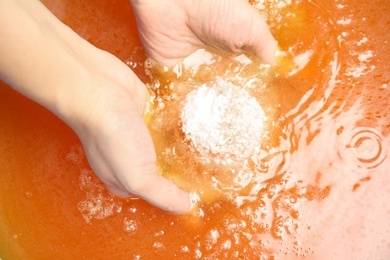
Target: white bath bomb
<point x="223" y="120"/>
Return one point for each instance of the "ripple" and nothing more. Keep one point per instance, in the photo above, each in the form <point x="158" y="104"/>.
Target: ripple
<point x="364" y="148"/>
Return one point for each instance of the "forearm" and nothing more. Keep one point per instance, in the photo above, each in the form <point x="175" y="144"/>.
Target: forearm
<point x="39" y="54"/>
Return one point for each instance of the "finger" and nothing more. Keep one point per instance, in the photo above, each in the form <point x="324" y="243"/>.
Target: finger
<point x="243" y="29"/>
<point x="260" y="41"/>
<point x="161" y="193"/>
<point x="119" y="191"/>
<point x="265" y="45"/>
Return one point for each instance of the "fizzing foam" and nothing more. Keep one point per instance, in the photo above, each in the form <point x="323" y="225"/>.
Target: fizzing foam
<point x="222" y="120"/>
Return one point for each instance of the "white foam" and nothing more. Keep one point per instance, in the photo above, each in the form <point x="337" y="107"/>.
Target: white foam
<point x="97" y="204"/>
<point x="130" y="226"/>
<point x="344" y="21"/>
<point x="222" y="119"/>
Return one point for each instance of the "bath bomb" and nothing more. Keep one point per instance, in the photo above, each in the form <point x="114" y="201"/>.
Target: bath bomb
<point x="223" y="121"/>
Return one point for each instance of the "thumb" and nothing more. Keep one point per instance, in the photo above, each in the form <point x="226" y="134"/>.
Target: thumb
<point x="259" y="38"/>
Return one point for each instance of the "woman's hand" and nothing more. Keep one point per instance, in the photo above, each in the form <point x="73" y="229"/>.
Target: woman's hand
<point x="171" y="30"/>
<point x="115" y="137"/>
<point x="93" y="92"/>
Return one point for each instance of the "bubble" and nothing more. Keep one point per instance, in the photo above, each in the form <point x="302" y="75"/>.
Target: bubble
<point x="198" y="254"/>
<point x="98" y="204"/>
<point x="133" y="209"/>
<point x="214" y="235"/>
<point x="364" y="148"/>
<point x="159" y="233"/>
<point x="195" y="198"/>
<point x="227" y="244"/>
<point x="159" y="246"/>
<point x="130" y="226"/>
<point x="293" y="199"/>
<point x="184" y="249"/>
<point x="76" y="155"/>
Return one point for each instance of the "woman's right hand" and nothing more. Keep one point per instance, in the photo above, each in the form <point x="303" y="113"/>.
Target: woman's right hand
<point x="171" y="30"/>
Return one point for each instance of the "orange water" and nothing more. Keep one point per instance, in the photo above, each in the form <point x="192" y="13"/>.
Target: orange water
<point x="317" y="187"/>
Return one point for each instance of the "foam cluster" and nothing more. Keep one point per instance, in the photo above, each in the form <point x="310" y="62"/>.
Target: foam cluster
<point x="222" y="120"/>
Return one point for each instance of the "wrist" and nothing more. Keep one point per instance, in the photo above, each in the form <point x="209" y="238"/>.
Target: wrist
<point x="38" y="53"/>
<point x="55" y="67"/>
<point x="102" y="83"/>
